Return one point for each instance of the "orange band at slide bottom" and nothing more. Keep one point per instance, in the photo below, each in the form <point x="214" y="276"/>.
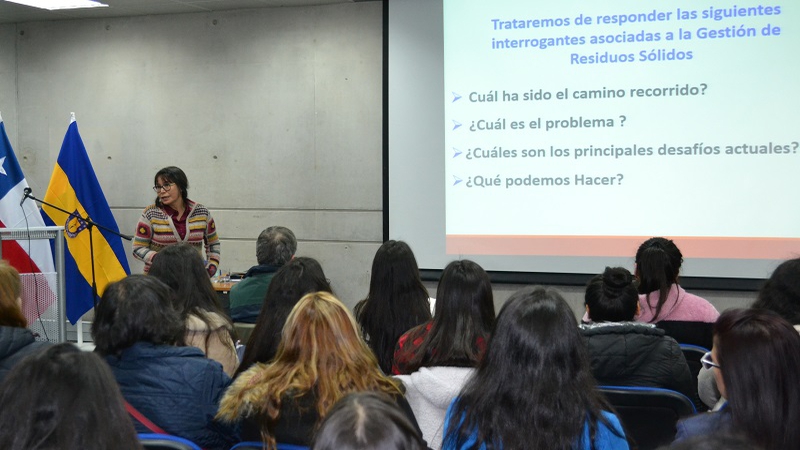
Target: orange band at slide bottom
<point x="622" y="246"/>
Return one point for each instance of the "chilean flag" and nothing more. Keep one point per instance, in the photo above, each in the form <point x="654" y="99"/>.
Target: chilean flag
<point x="27" y="256"/>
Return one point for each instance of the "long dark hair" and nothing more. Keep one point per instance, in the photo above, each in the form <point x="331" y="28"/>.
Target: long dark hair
<point x="781" y="292"/>
<point x="397" y="300"/>
<point x="135" y="309"/>
<point x="291" y="282"/>
<point x="534" y="387"/>
<point x="612" y="296"/>
<point x="63" y="399"/>
<point x="181" y="268"/>
<point x="464" y="315"/>
<point x="658" y="262"/>
<point x="759" y="355"/>
<point x="172" y="174"/>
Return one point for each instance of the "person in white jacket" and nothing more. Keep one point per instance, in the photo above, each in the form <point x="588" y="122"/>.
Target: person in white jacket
<point x="439" y="356"/>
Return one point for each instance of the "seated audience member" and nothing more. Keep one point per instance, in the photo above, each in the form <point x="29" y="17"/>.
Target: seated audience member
<point x="367" y="421"/>
<point x="441" y="354"/>
<point x="297" y="278"/>
<point x="684" y="316"/>
<point x="176" y="388"/>
<point x="779" y="294"/>
<point x="181" y="268"/>
<point x="321" y="358"/>
<point x="397" y="301"/>
<point x="534" y="387"/>
<point x="756" y="363"/>
<point x="63" y="399"/>
<point x="275" y="247"/>
<point x="627" y="353"/>
<point x="16" y="341"/>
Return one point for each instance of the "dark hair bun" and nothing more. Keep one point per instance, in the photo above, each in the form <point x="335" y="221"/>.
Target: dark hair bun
<point x="617" y="278"/>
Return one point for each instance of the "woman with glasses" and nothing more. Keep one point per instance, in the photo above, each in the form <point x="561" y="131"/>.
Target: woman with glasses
<point x="756" y="363"/>
<point x="174" y="218"/>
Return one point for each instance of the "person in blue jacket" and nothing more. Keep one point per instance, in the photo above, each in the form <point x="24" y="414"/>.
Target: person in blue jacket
<point x="534" y="388"/>
<point x="174" y="387"/>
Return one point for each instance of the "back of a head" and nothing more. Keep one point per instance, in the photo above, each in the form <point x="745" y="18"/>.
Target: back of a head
<point x="658" y="263"/>
<point x="781" y="292"/>
<point x="321" y="352"/>
<point x="63" y="398"/>
<point x="464" y="315"/>
<point x="181" y="267"/>
<point x="612" y="296"/>
<point x="291" y="282"/>
<point x="536" y="338"/>
<point x="759" y="355"/>
<point x="715" y="441"/>
<point x="135" y="309"/>
<point x="397" y="300"/>
<point x="275" y="246"/>
<point x="367" y="421"/>
<point x="319" y="330"/>
<point x="10" y="291"/>
<point x="535" y="329"/>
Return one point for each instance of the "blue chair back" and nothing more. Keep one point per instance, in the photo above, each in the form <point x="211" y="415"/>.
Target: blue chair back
<point x="649" y="415"/>
<point x="153" y="441"/>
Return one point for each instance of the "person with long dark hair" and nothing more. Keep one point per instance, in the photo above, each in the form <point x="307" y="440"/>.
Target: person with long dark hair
<point x="627" y="353"/>
<point x="173" y="218"/>
<point x="321" y="358"/>
<point x="658" y="264"/>
<point x="16" y="340"/>
<point x="756" y="363"/>
<point x="534" y="387"/>
<point x="175" y="387"/>
<point x="63" y="399"/>
<point x="438" y="356"/>
<point x="684" y="316"/>
<point x="298" y="277"/>
<point x="397" y="300"/>
<point x="207" y="327"/>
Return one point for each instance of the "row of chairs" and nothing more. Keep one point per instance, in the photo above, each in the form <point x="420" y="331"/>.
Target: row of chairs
<point x="152" y="441"/>
<point x="648" y="414"/>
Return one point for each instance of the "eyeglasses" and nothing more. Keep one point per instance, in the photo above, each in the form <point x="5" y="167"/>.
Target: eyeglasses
<point x="166" y="187"/>
<point x="707" y="362"/>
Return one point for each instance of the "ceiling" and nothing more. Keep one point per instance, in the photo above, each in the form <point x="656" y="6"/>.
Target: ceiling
<point x="14" y="13"/>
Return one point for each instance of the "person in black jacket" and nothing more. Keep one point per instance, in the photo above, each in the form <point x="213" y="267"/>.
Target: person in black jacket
<point x="624" y="352"/>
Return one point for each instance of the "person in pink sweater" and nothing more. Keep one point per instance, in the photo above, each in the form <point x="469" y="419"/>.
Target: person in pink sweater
<point x="661" y="298"/>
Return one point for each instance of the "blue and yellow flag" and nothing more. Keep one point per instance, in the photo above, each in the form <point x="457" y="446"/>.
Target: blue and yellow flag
<point x="74" y="187"/>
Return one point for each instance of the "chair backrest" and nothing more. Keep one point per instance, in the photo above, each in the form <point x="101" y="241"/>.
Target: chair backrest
<point x="693" y="354"/>
<point x="649" y="415"/>
<point x="254" y="445"/>
<point x="686" y="332"/>
<point x="152" y="441"/>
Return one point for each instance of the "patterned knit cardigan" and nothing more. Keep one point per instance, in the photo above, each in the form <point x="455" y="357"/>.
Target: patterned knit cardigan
<point x="156" y="231"/>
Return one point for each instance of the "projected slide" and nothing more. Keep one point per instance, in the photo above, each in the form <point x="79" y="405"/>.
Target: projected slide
<point x="576" y="128"/>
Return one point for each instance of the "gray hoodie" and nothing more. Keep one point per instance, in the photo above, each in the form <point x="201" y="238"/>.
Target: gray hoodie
<point x="429" y="391"/>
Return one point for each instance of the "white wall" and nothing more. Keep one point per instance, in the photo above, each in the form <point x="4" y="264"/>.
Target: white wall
<point x="274" y="114"/>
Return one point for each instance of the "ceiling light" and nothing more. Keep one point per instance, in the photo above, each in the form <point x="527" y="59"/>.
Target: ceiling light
<point x="60" y="4"/>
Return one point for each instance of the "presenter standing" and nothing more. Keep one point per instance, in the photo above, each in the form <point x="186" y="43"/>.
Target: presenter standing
<point x="174" y="218"/>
